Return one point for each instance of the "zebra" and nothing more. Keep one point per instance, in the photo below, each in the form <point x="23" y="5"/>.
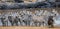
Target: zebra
<point x="4" y="21"/>
<point x="11" y="20"/>
<point x="39" y="20"/>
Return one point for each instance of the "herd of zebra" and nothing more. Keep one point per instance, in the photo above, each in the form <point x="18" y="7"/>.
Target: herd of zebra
<point x="26" y="18"/>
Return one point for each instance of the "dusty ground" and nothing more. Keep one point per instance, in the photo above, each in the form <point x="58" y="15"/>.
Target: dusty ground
<point x="24" y="27"/>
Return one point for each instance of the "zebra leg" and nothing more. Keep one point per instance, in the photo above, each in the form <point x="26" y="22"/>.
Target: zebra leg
<point x="20" y="21"/>
<point x="3" y="23"/>
<point x="35" y="23"/>
<point x="43" y="23"/>
<point x="25" y="22"/>
<point x="7" y="23"/>
<point x="28" y="23"/>
<point x="39" y="23"/>
<point x="12" y="23"/>
<point x="16" y="23"/>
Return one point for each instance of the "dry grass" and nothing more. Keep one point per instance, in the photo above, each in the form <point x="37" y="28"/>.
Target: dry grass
<point x="26" y="27"/>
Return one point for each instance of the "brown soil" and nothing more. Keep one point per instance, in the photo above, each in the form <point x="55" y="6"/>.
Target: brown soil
<point x="26" y="27"/>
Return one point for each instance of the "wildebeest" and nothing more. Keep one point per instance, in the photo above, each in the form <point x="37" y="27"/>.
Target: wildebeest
<point x="50" y="21"/>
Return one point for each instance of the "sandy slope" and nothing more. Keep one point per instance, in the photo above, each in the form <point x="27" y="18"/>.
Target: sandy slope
<point x="19" y="27"/>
